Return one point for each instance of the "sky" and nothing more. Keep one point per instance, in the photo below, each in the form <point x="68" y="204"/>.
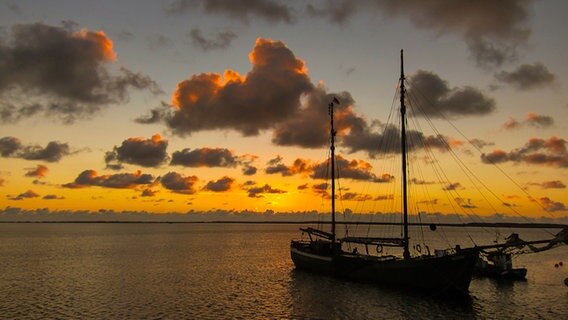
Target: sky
<point x="211" y="106"/>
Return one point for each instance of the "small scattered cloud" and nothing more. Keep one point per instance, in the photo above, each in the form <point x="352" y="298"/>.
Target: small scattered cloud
<point x="465" y="203"/>
<point x="138" y="151"/>
<point x="11" y="147"/>
<point x="527" y="76"/>
<point x="532" y="119"/>
<point x="148" y="193"/>
<point x="125" y="36"/>
<point x="303" y="186"/>
<point x="53" y="197"/>
<point x="552" y="206"/>
<point x="452" y="186"/>
<point x="554" y="184"/>
<point x="336" y="12"/>
<point x="258" y="192"/>
<point x="354" y="196"/>
<point x="89" y="178"/>
<point x="178" y="183"/>
<point x="548" y="152"/>
<point x="26" y="195"/>
<point x="221" y="41"/>
<point x="38" y="172"/>
<point x="421" y="182"/>
<point x="159" y="41"/>
<point x="220" y="185"/>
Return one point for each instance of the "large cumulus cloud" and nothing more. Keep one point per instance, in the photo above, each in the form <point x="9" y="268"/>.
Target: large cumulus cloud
<point x="268" y="94"/>
<point x="63" y="73"/>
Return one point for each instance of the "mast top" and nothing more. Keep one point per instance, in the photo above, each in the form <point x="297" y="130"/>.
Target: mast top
<point x="402" y="78"/>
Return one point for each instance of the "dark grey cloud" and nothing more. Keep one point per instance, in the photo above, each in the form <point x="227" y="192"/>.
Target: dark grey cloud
<point x="205" y="157"/>
<point x="243" y="10"/>
<point x="249" y="170"/>
<point x="53" y="152"/>
<point x="354" y="196"/>
<point x="442" y="101"/>
<point x="220" y="185"/>
<point x="554" y="184"/>
<point x="269" y="94"/>
<point x="551" y="205"/>
<point x="368" y="139"/>
<point x="53" y="197"/>
<point x="156" y="115"/>
<point x="221" y="41"/>
<point x="148" y="193"/>
<point x="61" y="73"/>
<point x="349" y="169"/>
<point x="159" y="41"/>
<point x="178" y="183"/>
<point x="144" y="152"/>
<point x="303" y="186"/>
<point x="452" y="186"/>
<point x="309" y="128"/>
<point x="26" y="195"/>
<point x="257" y="192"/>
<point x="527" y="76"/>
<point x="299" y="166"/>
<point x="337" y="12"/>
<point x="89" y="178"/>
<point x="465" y="203"/>
<point x="492" y="30"/>
<point x="546" y="152"/>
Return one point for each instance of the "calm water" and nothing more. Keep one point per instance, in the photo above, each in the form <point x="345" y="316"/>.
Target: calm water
<point x="228" y="271"/>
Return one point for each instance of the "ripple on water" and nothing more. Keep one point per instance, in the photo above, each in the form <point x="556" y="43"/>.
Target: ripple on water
<point x="185" y="271"/>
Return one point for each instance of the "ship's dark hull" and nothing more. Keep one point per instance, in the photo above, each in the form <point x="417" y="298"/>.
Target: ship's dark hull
<point x="449" y="273"/>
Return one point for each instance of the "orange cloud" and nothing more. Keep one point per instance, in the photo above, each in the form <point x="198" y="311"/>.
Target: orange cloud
<point x="38" y="172"/>
<point x="105" y="46"/>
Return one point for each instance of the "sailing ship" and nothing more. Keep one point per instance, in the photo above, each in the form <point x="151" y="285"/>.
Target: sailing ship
<point x="447" y="270"/>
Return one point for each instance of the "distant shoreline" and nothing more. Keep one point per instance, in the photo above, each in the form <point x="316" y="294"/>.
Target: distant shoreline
<point x="467" y="225"/>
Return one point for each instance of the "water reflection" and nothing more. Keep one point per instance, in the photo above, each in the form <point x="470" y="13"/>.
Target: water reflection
<point x="320" y="297"/>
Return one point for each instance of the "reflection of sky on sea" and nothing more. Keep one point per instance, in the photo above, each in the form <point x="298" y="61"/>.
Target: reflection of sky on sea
<point x="220" y="271"/>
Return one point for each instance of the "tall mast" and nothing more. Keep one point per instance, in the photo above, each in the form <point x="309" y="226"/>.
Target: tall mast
<point x="332" y="149"/>
<point x="406" y="253"/>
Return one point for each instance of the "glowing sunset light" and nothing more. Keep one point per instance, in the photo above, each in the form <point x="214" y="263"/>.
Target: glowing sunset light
<point x="227" y="111"/>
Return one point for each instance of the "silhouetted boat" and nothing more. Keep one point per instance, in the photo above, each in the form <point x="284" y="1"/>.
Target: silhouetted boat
<point x="496" y="260"/>
<point x="448" y="270"/>
<point x="498" y="265"/>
